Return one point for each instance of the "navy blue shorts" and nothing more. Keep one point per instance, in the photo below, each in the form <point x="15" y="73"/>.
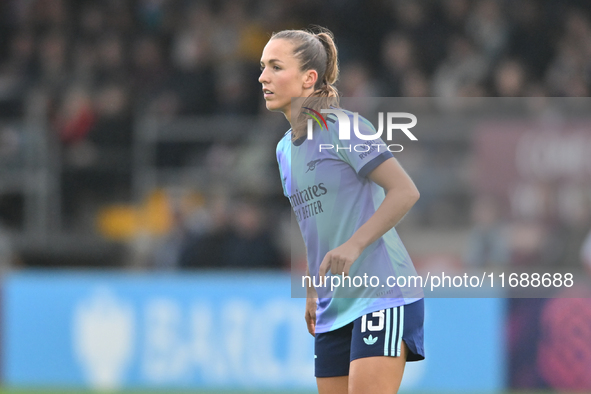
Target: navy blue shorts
<point x="376" y="334"/>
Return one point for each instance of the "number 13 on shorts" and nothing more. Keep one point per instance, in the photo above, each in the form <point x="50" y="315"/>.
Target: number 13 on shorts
<point x="369" y="325"/>
<point x="381" y="331"/>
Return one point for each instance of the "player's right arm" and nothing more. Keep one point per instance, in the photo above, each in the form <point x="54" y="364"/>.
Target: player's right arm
<point x="311" y="304"/>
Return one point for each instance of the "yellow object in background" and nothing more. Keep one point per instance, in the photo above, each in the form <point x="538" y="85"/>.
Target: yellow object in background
<point x="118" y="222"/>
<point x="156" y="214"/>
<point x="123" y="222"/>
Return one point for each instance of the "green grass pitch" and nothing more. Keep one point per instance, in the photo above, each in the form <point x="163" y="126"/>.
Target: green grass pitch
<point x="55" y="391"/>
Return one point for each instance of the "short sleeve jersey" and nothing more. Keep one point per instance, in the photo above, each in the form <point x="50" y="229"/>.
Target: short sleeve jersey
<point x="326" y="181"/>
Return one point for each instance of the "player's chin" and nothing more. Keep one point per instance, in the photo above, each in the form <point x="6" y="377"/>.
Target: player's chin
<point x="274" y="105"/>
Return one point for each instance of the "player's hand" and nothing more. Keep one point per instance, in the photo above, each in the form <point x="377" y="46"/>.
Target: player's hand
<point x="339" y="260"/>
<point x="311" y="315"/>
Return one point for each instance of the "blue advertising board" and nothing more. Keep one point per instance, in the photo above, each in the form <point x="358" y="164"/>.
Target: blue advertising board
<point x="230" y="331"/>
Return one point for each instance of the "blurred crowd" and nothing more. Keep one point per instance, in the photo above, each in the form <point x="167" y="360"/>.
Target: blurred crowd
<point x="103" y="60"/>
<point x="216" y="233"/>
<point x="98" y="65"/>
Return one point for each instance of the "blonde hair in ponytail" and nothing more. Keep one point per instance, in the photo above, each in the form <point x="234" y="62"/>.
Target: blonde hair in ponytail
<point x="315" y="51"/>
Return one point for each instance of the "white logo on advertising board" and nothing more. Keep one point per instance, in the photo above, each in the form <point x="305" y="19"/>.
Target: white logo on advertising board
<point x="103" y="336"/>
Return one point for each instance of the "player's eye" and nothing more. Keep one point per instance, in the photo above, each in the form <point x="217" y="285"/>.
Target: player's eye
<point x="276" y="68"/>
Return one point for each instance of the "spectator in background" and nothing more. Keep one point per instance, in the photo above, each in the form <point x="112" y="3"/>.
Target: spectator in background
<point x="487" y="244"/>
<point x="509" y="79"/>
<point x="236" y="41"/>
<point x="226" y="30"/>
<point x="110" y="60"/>
<point x="228" y="237"/>
<point x="531" y="36"/>
<point x="527" y="243"/>
<point x="356" y="81"/>
<point x="250" y="244"/>
<point x="84" y="63"/>
<point x="75" y="116"/>
<point x="149" y="72"/>
<point x="192" y="80"/>
<point x="112" y="107"/>
<point x="415" y="84"/>
<point x="18" y="70"/>
<point x="488" y="28"/>
<point x="455" y="14"/>
<point x="96" y="136"/>
<point x="398" y="61"/>
<point x="53" y="72"/>
<point x="112" y="133"/>
<point x="571" y="227"/>
<point x="231" y="92"/>
<point x="463" y="67"/>
<point x="569" y="74"/>
<point x="206" y="247"/>
<point x="92" y="23"/>
<point x="421" y="22"/>
<point x="170" y="251"/>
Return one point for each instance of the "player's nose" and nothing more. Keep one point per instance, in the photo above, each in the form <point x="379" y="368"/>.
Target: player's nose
<point x="264" y="77"/>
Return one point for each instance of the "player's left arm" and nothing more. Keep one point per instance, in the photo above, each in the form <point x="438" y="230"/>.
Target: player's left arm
<point x="401" y="195"/>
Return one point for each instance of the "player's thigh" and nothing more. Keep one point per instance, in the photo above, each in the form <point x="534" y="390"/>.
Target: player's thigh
<point x="334" y="385"/>
<point x="332" y="352"/>
<point x="381" y="343"/>
<point x="377" y="375"/>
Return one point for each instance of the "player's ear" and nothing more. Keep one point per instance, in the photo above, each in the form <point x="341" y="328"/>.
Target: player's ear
<point x="309" y="78"/>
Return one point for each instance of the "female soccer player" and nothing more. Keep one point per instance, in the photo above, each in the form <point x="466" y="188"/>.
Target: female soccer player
<point x="347" y="202"/>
